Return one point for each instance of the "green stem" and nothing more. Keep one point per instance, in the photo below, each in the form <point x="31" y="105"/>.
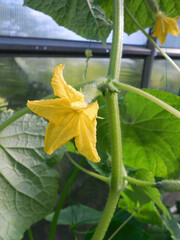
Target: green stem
<point x="106" y="216"/>
<point x="116" y="142"/>
<point x="14" y="117"/>
<point x="144" y="94"/>
<point x="19" y="114"/>
<point x="61" y="201"/>
<point x="117" y="44"/>
<point x="114" y="123"/>
<point x="117" y="167"/>
<point x="151" y="40"/>
<point x="30" y="235"/>
<point x="100" y="177"/>
<point x="139" y="182"/>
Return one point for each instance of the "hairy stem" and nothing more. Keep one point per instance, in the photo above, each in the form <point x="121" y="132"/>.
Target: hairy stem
<point x="14" y="117"/>
<point x="98" y="176"/>
<point x="114" y="123"/>
<point x="139" y="182"/>
<point x="117" y="43"/>
<point x="144" y="94"/>
<point x="151" y="40"/>
<point x="61" y="201"/>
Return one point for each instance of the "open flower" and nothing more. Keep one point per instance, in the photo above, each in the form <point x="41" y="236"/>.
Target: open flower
<point x="69" y="117"/>
<point x="164" y="25"/>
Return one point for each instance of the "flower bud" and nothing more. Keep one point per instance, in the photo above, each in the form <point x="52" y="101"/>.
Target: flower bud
<point x="88" y="53"/>
<point x="169" y="185"/>
<point x="90" y="92"/>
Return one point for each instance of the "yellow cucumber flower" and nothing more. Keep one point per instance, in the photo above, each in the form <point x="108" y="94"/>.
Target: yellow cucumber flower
<point x="164" y="25"/>
<point x="69" y="117"/>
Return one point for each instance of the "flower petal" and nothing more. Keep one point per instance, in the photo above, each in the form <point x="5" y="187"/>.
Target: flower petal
<point x="62" y="89"/>
<point x="91" y="110"/>
<point x="58" y="135"/>
<point x="86" y="141"/>
<point x="171" y="25"/>
<point x="160" y="31"/>
<point x="52" y="109"/>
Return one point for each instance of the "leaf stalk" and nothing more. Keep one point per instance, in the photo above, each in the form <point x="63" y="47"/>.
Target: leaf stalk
<point x="144" y="94"/>
<point x="98" y="176"/>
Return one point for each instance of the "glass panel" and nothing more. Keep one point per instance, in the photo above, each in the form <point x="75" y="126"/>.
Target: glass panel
<point x="165" y="77"/>
<point x="23" y="79"/>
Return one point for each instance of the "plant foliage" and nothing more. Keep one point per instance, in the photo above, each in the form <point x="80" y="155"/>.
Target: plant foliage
<point x="28" y="185"/>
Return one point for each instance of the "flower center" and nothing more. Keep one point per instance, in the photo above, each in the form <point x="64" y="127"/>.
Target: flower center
<point x="78" y="105"/>
<point x="159" y="15"/>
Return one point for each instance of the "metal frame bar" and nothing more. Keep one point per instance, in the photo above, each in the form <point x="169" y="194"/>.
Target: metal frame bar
<point x="20" y="46"/>
<point x="44" y="46"/>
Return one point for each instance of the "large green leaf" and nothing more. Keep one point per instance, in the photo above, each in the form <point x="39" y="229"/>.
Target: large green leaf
<point x="28" y="185"/>
<point x="151" y="135"/>
<point x="84" y="17"/>
<point x="142" y="12"/>
<point x="93" y="20"/>
<point x="77" y="214"/>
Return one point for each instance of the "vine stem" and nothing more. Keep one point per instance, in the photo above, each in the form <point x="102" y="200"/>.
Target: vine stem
<point x="98" y="176"/>
<point x="139" y="182"/>
<point x="14" y="117"/>
<point x="151" y="40"/>
<point x="114" y="123"/>
<point x="144" y="94"/>
<point x="61" y="201"/>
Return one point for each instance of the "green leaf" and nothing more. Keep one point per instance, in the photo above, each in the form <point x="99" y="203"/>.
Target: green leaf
<point x="173" y="226"/>
<point x="84" y="17"/>
<point x="151" y="135"/>
<point x="147" y="213"/>
<point x="77" y="214"/>
<point x="152" y="192"/>
<point x="28" y="185"/>
<point x="139" y="199"/>
<point x="141" y="11"/>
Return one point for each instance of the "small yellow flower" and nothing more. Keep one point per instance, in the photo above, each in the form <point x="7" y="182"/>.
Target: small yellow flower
<point x="164" y="25"/>
<point x="69" y="117"/>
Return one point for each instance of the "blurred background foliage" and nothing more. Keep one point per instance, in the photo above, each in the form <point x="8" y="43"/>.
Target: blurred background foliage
<point x="28" y="78"/>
